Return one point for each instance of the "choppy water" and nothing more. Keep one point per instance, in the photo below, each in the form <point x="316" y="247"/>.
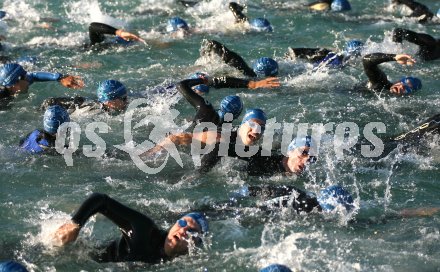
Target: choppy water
<point x="39" y="192"/>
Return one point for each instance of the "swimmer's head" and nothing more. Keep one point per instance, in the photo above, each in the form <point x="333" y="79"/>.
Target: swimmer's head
<point x="185" y="230"/>
<point x="276" y="268"/>
<point x="109" y="90"/>
<point x="340" y="5"/>
<point x="54" y="117"/>
<point x="299" y="153"/>
<point x="260" y="24"/>
<point x="334" y="196"/>
<point x="252" y="127"/>
<point x="11" y="266"/>
<point x="265" y="67"/>
<point x="10" y="74"/>
<point x="177" y="23"/>
<point x="353" y="48"/>
<point x="201" y="88"/>
<point x="407" y="85"/>
<point x="231" y="104"/>
<point x="2" y="14"/>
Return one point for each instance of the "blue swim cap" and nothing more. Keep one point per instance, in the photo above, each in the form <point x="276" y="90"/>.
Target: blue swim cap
<point x="261" y="24"/>
<point x="306" y="141"/>
<point x="230" y="104"/>
<point x="276" y="268"/>
<point x="266" y="67"/>
<point x="415" y="82"/>
<point x="353" y="48"/>
<point x="10" y="73"/>
<point x="334" y="196"/>
<point x="332" y="60"/>
<point x="201" y="87"/>
<point x="109" y="90"/>
<point x="11" y="266"/>
<point x="121" y="41"/>
<point x="54" y="117"/>
<point x="176" y="23"/>
<point x="254" y="114"/>
<point x="2" y="14"/>
<point x="340" y="5"/>
<point x="200" y="219"/>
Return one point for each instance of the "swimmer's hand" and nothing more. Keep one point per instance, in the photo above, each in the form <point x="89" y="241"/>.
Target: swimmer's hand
<point x="270" y="82"/>
<point x="404" y="59"/>
<point x="73" y="82"/>
<point x="66" y="233"/>
<point x="129" y="36"/>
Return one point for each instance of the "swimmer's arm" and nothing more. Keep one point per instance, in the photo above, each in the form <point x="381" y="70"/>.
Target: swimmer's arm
<point x="371" y="67"/>
<point x="422" y="39"/>
<point x="185" y="88"/>
<point x="65" y="102"/>
<point x="97" y="30"/>
<point x="233" y="82"/>
<point x="229" y="57"/>
<point x="68" y="81"/>
<point x="119" y="214"/>
<point x="176" y="139"/>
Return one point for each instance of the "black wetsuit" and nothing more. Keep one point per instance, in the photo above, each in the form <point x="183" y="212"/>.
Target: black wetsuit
<point x="97" y="32"/>
<point x="229" y="57"/>
<point x="286" y="196"/>
<point x="237" y="11"/>
<point x="418" y="10"/>
<point x="205" y="110"/>
<point x="141" y="239"/>
<point x="311" y="54"/>
<point x="429" y="47"/>
<point x="378" y="81"/>
<point x="265" y="165"/>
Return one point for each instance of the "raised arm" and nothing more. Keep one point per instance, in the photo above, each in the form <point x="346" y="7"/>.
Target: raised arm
<point x="73" y="82"/>
<point x="418" y="9"/>
<point x="422" y="39"/>
<point x="119" y="214"/>
<point x="237" y="10"/>
<point x="98" y="30"/>
<point x="376" y="77"/>
<point x="229" y="57"/>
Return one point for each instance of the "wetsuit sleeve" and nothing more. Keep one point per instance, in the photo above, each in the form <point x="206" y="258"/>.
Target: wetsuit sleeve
<point x="43" y="76"/>
<point x="418" y="9"/>
<point x="228" y="82"/>
<point x="421" y="39"/>
<point x="312" y="54"/>
<point x="376" y="76"/>
<point x="271" y="191"/>
<point x="65" y="102"/>
<point x="237" y="11"/>
<point x="265" y="165"/>
<point x="119" y="214"/>
<point x="97" y="31"/>
<point x="184" y="87"/>
<point x="229" y="57"/>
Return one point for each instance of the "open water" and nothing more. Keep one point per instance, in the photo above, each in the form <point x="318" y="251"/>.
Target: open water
<point x="38" y="193"/>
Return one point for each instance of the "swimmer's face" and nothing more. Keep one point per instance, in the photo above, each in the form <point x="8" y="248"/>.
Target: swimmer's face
<point x="176" y="242"/>
<point x="399" y="87"/>
<point x="298" y="159"/>
<point x="250" y="131"/>
<point x="21" y="86"/>
<point x="118" y="104"/>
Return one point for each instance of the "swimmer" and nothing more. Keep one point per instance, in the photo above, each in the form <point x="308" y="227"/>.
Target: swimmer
<point x="258" y="24"/>
<point x="97" y="32"/>
<point x="12" y="266"/>
<point x="14" y="80"/>
<point x="299" y="156"/>
<point x="378" y="81"/>
<point x="247" y="134"/>
<point x="43" y="141"/>
<point x="112" y="98"/>
<point x="192" y="88"/>
<point x="142" y="240"/>
<point x="429" y="47"/>
<point x="325" y="57"/>
<point x="263" y="67"/>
